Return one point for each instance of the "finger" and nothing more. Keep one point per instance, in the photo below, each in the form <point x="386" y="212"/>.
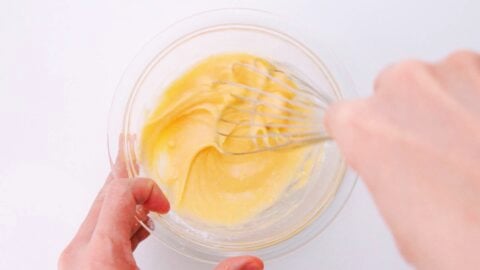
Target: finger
<point x="241" y="263"/>
<point x="138" y="237"/>
<point x="119" y="169"/>
<point x="140" y="216"/>
<point x="117" y="216"/>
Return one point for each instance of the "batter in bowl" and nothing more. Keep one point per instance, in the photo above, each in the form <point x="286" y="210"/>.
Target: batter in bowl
<point x="179" y="150"/>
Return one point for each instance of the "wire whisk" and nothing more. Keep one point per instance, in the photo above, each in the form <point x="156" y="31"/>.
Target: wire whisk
<point x="269" y="109"/>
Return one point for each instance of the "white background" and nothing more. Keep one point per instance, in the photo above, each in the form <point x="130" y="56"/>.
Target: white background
<point x="60" y="62"/>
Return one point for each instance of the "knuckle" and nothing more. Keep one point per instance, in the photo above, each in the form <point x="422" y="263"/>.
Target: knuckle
<point x="404" y="72"/>
<point x="463" y="61"/>
<point x="381" y="78"/>
<point x="462" y="57"/>
<point x="411" y="69"/>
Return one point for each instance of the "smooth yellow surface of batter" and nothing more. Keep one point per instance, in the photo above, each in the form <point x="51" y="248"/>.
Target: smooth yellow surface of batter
<point x="179" y="146"/>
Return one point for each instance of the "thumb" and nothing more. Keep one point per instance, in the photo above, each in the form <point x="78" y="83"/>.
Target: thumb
<point x="119" y="206"/>
<point x="241" y="263"/>
<point x="346" y="122"/>
<point x="342" y="116"/>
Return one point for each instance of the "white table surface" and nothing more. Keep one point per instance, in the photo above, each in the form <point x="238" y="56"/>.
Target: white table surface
<point x="60" y="62"/>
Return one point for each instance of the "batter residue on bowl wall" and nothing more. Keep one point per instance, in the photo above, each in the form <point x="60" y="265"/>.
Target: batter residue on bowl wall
<point x="178" y="146"/>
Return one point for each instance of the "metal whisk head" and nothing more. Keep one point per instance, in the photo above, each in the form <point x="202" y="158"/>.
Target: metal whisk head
<point x="268" y="109"/>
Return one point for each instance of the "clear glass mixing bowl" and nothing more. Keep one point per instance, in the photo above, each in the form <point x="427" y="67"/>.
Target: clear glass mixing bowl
<point x="300" y="214"/>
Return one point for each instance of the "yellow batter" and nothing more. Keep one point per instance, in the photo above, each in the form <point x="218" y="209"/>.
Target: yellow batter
<point x="179" y="149"/>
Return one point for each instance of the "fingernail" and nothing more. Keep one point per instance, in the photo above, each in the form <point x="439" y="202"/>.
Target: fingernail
<point x="252" y="266"/>
<point x="150" y="224"/>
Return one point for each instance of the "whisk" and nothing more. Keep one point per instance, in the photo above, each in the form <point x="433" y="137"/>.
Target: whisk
<point x="270" y="109"/>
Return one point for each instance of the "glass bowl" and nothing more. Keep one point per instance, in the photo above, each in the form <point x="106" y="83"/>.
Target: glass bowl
<point x="299" y="215"/>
